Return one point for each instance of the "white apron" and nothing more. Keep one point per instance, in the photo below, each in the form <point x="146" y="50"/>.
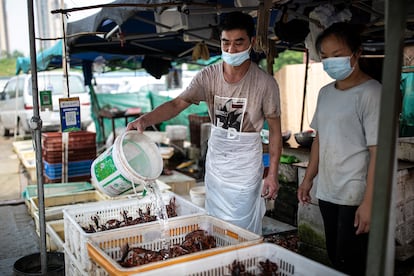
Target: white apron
<point x="233" y="178"/>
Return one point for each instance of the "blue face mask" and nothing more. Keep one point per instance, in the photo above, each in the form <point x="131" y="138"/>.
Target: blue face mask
<point x="338" y="68"/>
<point x="235" y="59"/>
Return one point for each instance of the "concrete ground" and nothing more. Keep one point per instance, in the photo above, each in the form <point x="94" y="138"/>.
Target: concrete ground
<point x="17" y="229"/>
<point x="9" y="173"/>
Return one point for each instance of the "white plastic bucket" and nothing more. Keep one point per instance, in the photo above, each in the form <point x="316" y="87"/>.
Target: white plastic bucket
<point x="198" y="195"/>
<point x="132" y="158"/>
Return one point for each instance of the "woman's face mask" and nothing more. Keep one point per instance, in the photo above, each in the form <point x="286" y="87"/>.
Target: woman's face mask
<point x="338" y="68"/>
<point x="235" y="59"/>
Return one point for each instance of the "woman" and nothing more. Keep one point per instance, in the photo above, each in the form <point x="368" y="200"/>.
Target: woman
<point x="344" y="150"/>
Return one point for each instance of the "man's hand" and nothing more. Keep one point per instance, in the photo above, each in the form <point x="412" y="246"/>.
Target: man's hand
<point x="270" y="187"/>
<point x="138" y="124"/>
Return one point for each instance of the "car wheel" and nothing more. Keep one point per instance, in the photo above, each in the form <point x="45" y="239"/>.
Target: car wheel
<point x="4" y="131"/>
<point x="20" y="129"/>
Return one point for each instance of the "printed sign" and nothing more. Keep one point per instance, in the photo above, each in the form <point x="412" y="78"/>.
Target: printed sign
<point x="46" y="102"/>
<point x="70" y="119"/>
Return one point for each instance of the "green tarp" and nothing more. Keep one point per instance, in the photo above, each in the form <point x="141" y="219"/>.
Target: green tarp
<point x="146" y="101"/>
<point x="120" y="101"/>
<point x="407" y="109"/>
<point x="182" y="118"/>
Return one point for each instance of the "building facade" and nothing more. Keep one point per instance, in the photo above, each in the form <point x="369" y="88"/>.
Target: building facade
<point x="48" y="26"/>
<point x="4" y="41"/>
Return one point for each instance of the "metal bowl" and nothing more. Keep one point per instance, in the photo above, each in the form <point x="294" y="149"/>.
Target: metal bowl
<point x="286" y="135"/>
<point x="305" y="138"/>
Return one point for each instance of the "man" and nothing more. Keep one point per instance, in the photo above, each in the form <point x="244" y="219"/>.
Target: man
<point x="240" y="96"/>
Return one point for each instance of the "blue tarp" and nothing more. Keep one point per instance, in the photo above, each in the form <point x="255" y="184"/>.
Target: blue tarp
<point x="51" y="58"/>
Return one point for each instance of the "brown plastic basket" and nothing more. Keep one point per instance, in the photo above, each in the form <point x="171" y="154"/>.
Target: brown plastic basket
<point x="195" y="127"/>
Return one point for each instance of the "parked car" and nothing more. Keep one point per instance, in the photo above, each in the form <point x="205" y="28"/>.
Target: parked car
<point x="3" y="81"/>
<point x="16" y="101"/>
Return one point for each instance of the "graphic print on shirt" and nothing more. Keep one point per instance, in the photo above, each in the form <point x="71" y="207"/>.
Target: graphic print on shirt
<point x="229" y="112"/>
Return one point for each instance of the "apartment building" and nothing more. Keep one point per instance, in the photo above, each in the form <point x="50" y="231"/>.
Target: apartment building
<point x="4" y="42"/>
<point x="48" y="26"/>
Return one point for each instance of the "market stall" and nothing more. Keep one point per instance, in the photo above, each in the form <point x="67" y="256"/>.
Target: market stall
<point x="379" y="264"/>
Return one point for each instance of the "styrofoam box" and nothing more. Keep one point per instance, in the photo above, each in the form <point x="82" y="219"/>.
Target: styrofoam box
<point x="105" y="248"/>
<point x="289" y="263"/>
<point x="405" y="148"/>
<point x="176" y="20"/>
<point x="77" y="216"/>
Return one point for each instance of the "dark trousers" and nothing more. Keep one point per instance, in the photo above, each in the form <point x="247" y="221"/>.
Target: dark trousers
<point x="347" y="251"/>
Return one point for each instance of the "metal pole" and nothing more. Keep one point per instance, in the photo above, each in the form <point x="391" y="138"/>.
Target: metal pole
<point x="304" y="90"/>
<point x="65" y="135"/>
<point x="36" y="126"/>
<point x="381" y="254"/>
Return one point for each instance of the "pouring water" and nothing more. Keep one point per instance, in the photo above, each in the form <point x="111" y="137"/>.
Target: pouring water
<point x="160" y="211"/>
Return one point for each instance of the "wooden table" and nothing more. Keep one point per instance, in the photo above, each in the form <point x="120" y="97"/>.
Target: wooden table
<point x="116" y="114"/>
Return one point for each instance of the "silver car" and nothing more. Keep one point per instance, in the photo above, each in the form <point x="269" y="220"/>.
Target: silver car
<point x="16" y="101"/>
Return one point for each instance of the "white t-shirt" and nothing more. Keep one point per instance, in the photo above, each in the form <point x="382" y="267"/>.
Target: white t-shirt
<point x="242" y="105"/>
<point x="347" y="123"/>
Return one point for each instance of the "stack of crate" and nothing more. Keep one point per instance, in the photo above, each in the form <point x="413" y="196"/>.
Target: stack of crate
<point x="78" y="218"/>
<point x="81" y="153"/>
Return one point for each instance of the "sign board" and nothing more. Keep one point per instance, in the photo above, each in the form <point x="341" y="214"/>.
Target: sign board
<point x="46" y="102"/>
<point x="70" y="119"/>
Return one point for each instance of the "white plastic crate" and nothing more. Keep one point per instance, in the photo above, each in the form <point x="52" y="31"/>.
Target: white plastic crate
<point x="74" y="268"/>
<point x="55" y="235"/>
<point x="288" y="262"/>
<point x="77" y="216"/>
<point x="54" y="205"/>
<point x="105" y="248"/>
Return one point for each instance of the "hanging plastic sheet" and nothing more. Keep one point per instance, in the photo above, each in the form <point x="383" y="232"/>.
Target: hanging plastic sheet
<point x="407" y="108"/>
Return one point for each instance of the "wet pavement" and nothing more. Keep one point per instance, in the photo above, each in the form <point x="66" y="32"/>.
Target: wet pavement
<point x="17" y="229"/>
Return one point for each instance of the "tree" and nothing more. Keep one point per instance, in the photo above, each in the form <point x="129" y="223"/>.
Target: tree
<point x="17" y="54"/>
<point x="284" y="58"/>
<point x="8" y="63"/>
<point x="7" y="66"/>
<point x="287" y="57"/>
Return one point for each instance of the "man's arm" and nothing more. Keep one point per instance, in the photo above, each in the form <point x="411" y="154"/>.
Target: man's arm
<point x="271" y="182"/>
<point x="160" y="114"/>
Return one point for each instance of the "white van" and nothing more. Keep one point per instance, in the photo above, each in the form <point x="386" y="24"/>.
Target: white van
<point x="16" y="101"/>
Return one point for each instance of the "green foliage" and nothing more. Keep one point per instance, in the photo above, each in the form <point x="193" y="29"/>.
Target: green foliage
<point x="287" y="57"/>
<point x="284" y="58"/>
<point x="8" y="66"/>
<point x="17" y="54"/>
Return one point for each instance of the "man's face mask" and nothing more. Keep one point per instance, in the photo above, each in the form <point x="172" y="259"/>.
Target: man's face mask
<point x="235" y="59"/>
<point x="338" y="68"/>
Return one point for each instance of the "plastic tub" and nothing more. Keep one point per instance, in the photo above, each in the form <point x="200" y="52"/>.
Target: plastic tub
<point x="198" y="195"/>
<point x="133" y="158"/>
<point x="31" y="265"/>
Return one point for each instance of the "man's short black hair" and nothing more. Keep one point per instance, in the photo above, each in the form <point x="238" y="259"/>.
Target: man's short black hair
<point x="238" y="20"/>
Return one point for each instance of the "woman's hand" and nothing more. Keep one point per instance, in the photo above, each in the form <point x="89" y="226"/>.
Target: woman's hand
<point x="304" y="192"/>
<point x="363" y="218"/>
